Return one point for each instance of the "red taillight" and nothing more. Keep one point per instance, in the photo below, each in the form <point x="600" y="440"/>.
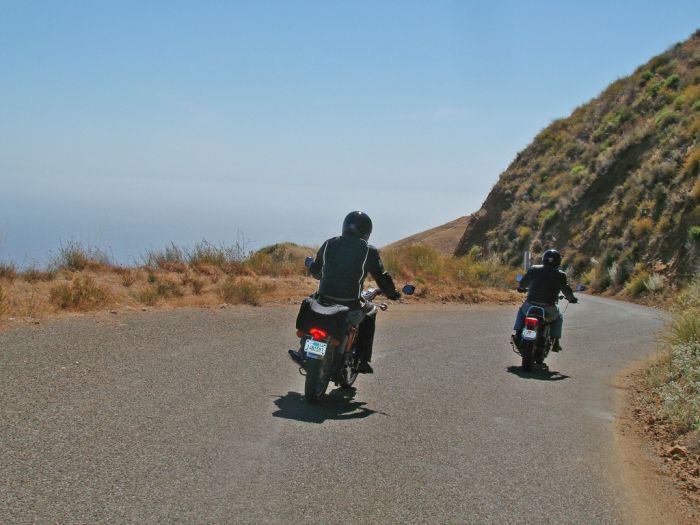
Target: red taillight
<point x="318" y="334"/>
<point x="530" y="323"/>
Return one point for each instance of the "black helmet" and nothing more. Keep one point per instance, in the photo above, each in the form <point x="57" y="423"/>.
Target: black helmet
<point x="551" y="258"/>
<point x="359" y="224"/>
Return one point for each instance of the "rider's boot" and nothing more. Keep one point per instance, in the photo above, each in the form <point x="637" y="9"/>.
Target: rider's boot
<point x="556" y="347"/>
<point x="365" y="368"/>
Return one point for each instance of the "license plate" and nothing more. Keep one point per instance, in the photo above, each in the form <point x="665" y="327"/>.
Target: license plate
<point x="530" y="335"/>
<point x="315" y="348"/>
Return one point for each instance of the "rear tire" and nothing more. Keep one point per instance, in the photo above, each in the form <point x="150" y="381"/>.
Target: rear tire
<point x="317" y="379"/>
<point x="526" y="351"/>
<point x="349" y="373"/>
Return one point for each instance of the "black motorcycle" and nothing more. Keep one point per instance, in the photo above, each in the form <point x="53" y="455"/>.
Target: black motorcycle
<point x="328" y="341"/>
<point x="535" y="339"/>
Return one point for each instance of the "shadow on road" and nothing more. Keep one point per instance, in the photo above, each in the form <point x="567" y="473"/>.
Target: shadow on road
<point x="541" y="375"/>
<point x="338" y="404"/>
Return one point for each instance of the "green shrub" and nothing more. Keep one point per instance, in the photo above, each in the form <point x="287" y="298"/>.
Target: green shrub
<point x="694" y="234"/>
<point x="548" y="217"/>
<point x="672" y="82"/>
<point x="653" y="88"/>
<point x="645" y="77"/>
<point x="475" y="251"/>
<point x="637" y="284"/>
<point x="666" y="118"/>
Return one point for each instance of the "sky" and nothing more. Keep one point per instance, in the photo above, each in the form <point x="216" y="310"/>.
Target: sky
<point x="130" y="125"/>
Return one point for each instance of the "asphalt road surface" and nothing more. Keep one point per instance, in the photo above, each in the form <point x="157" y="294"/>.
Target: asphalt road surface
<point x="198" y="416"/>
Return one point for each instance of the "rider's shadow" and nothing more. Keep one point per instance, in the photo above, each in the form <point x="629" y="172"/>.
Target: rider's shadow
<point x="338" y="404"/>
<point x="540" y="375"/>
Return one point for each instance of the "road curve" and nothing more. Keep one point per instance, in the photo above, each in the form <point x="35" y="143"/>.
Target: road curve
<point x="197" y="416"/>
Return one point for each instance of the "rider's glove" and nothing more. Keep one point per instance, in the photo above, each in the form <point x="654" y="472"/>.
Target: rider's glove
<point x="395" y="296"/>
<point x="573" y="300"/>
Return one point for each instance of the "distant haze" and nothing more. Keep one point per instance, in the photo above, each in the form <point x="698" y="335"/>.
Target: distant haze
<point x="130" y="125"/>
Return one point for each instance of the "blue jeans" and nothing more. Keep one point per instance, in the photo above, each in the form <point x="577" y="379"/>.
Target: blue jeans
<point x="552" y="314"/>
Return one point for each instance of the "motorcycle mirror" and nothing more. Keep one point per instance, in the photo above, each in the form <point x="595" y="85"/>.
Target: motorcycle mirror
<point x="308" y="261"/>
<point x="519" y="277"/>
<point x="408" y="289"/>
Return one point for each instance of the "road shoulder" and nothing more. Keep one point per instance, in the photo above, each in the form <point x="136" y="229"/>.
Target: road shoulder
<point x="651" y="496"/>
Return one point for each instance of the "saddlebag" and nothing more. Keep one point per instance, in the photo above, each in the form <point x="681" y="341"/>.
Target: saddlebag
<point x="331" y="318"/>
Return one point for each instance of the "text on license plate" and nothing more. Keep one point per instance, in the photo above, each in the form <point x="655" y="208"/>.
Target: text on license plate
<point x="315" y="347"/>
<point x="530" y="335"/>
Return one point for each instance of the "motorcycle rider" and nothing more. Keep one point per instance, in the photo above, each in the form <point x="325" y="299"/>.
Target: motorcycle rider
<point x="543" y="284"/>
<point x="342" y="264"/>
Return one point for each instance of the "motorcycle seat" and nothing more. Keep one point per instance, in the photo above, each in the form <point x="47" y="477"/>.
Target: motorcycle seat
<point x="327" y="309"/>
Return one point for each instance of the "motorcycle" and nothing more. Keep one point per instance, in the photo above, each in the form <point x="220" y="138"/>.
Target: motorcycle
<point x="535" y="340"/>
<point x="328" y="341"/>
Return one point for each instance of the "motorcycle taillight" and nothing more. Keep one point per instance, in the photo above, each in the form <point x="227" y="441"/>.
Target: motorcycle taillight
<point x="531" y="323"/>
<point x="318" y="334"/>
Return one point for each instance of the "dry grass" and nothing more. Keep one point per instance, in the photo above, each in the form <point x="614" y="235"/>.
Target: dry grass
<point x="209" y="275"/>
<point x="3" y="306"/>
<point x="674" y="379"/>
<point x="470" y="279"/>
<point x="237" y="291"/>
<point x="83" y="293"/>
<point x="8" y="272"/>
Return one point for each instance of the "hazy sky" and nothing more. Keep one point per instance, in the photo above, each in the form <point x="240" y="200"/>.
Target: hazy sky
<point x="132" y="124"/>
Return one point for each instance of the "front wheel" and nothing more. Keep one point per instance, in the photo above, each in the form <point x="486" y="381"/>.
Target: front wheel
<point x="526" y="351"/>
<point x="317" y="378"/>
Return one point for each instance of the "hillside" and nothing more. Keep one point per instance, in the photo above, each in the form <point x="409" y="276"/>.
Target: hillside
<point x="615" y="185"/>
<point x="443" y="239"/>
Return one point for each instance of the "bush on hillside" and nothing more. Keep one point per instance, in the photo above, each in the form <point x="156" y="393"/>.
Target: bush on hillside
<point x="637" y="284"/>
<point x="243" y="291"/>
<point x="76" y="257"/>
<point x="694" y="234"/>
<point x="642" y="226"/>
<point x="80" y="294"/>
<point x="279" y="260"/>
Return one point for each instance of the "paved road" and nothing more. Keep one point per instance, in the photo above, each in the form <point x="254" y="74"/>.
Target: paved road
<point x="196" y="416"/>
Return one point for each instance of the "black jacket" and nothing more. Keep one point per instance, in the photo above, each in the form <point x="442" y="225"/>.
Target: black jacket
<point x="544" y="284"/>
<point x="342" y="264"/>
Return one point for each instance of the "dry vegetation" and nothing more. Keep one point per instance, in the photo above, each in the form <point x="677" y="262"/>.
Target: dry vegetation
<point x="82" y="278"/>
<point x="666" y="400"/>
